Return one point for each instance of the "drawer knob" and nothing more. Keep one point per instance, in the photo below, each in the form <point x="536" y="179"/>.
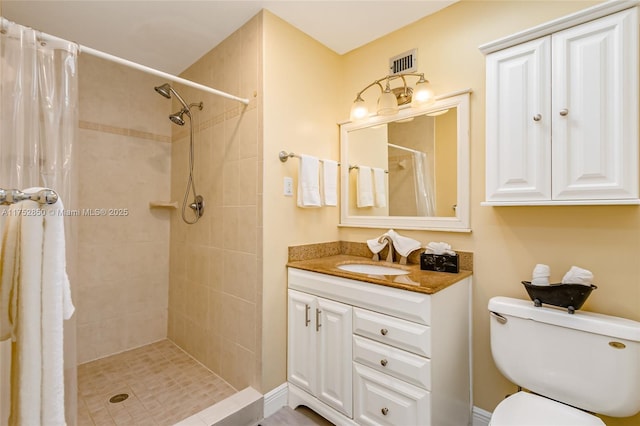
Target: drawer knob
<point x="537" y="117"/>
<point x="384" y="411"/>
<point x="384" y="331"/>
<point x="383" y="362"/>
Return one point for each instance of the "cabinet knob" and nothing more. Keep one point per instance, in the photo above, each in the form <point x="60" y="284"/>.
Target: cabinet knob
<point x="384" y="411"/>
<point x="384" y="331"/>
<point x="564" y="112"/>
<point x="383" y="362"/>
<point x="537" y="117"/>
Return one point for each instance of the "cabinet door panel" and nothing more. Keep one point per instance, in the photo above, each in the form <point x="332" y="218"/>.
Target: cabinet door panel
<point x="334" y="355"/>
<point x="519" y="123"/>
<point x="301" y="360"/>
<point x="595" y="111"/>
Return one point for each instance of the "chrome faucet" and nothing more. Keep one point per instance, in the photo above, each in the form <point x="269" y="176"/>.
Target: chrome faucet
<point x="390" y="244"/>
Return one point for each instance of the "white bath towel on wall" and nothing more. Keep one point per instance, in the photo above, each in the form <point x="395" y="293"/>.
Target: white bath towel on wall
<point x="309" y="182"/>
<point x="364" y="190"/>
<point x="34" y="275"/>
<point x="329" y="182"/>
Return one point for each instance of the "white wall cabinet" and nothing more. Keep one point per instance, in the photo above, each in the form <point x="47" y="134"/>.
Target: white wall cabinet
<point x="403" y="356"/>
<point x="562" y="116"/>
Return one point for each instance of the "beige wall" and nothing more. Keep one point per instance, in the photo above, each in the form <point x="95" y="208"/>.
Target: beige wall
<point x="124" y="161"/>
<point x="507" y="242"/>
<point x="302" y="88"/>
<point x="215" y="279"/>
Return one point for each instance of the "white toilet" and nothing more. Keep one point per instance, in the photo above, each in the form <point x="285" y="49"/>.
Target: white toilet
<point x="573" y="365"/>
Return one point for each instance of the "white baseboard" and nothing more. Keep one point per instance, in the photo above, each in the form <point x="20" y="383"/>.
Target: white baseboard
<point x="480" y="417"/>
<point x="275" y="399"/>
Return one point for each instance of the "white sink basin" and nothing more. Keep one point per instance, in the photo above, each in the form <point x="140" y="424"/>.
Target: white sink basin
<point x="369" y="269"/>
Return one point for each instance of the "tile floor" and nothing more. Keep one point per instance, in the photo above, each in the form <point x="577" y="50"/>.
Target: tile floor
<point x="164" y="384"/>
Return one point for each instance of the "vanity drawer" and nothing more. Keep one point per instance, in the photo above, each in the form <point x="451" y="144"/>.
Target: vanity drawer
<point x="393" y="361"/>
<point x="393" y="331"/>
<point x="383" y="400"/>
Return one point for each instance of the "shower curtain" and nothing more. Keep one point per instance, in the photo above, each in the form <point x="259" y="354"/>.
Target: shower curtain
<point x="425" y="198"/>
<point x="38" y="121"/>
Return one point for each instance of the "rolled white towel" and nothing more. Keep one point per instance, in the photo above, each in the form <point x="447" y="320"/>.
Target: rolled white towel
<point x="541" y="274"/>
<point x="577" y="275"/>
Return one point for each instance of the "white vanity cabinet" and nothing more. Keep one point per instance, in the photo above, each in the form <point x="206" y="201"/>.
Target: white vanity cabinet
<point x="408" y="355"/>
<point x="562" y="115"/>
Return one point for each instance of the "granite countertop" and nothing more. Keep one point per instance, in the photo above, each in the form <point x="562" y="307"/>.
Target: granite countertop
<point x="417" y="280"/>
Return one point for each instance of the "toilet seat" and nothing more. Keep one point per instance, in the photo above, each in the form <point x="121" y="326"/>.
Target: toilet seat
<point x="527" y="409"/>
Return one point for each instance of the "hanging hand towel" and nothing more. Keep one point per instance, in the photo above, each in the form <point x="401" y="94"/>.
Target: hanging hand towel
<point x="33" y="263"/>
<point x="56" y="307"/>
<point x="364" y="187"/>
<point x="329" y="182"/>
<point x="309" y="182"/>
<point x="380" y="187"/>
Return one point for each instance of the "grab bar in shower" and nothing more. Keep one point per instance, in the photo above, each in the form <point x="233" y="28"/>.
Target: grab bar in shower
<point x="11" y="196"/>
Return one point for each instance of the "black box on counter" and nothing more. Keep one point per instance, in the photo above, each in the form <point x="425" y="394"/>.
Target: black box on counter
<point x="439" y="262"/>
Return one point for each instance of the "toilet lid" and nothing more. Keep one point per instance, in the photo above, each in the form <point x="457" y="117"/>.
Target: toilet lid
<point x="527" y="409"/>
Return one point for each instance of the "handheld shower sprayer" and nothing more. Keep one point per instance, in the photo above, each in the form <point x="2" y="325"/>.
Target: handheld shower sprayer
<point x="166" y="90"/>
<point x="198" y="201"/>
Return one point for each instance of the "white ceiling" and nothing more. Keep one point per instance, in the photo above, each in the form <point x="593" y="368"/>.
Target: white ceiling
<point x="170" y="35"/>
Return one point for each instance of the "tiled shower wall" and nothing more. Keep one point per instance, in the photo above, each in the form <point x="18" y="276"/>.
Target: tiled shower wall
<point x="215" y="275"/>
<point x="124" y="161"/>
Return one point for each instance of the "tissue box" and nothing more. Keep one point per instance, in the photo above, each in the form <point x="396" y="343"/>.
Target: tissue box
<point x="439" y="262"/>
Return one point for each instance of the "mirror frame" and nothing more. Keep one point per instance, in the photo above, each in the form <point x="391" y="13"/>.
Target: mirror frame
<point x="458" y="223"/>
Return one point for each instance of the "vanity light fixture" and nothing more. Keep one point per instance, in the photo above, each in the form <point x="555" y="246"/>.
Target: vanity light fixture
<point x="390" y="99"/>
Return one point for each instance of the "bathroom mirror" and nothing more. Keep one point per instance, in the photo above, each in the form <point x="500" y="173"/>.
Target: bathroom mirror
<point x="422" y="157"/>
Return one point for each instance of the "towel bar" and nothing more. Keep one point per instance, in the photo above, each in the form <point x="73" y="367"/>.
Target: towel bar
<point x="284" y="156"/>
<point x="11" y="196"/>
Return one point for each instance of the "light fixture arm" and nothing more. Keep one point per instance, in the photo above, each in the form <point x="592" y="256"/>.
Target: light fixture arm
<point x="390" y="98"/>
<point x="391" y="78"/>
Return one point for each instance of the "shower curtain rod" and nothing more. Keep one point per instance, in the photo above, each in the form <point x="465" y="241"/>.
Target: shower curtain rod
<point x="137" y="66"/>
<point x="405" y="149"/>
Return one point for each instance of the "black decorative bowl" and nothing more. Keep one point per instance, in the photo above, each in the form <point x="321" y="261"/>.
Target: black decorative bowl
<point x="570" y="296"/>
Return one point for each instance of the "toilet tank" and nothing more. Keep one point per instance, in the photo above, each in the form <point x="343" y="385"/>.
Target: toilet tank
<point x="587" y="360"/>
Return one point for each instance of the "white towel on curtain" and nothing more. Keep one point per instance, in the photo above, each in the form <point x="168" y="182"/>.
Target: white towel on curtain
<point x="33" y="274"/>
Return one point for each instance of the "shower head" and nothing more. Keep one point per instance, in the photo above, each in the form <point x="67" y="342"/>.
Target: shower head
<point x="164" y="90"/>
<point x="178" y="116"/>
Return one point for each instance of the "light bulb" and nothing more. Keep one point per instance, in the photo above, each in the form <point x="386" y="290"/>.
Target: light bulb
<point x="359" y="110"/>
<point x="423" y="94"/>
<point x="387" y="102"/>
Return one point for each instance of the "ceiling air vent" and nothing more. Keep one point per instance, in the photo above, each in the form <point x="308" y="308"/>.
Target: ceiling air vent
<point x="404" y="62"/>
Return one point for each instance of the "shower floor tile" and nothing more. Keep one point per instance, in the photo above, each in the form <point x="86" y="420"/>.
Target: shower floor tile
<point x="164" y="384"/>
